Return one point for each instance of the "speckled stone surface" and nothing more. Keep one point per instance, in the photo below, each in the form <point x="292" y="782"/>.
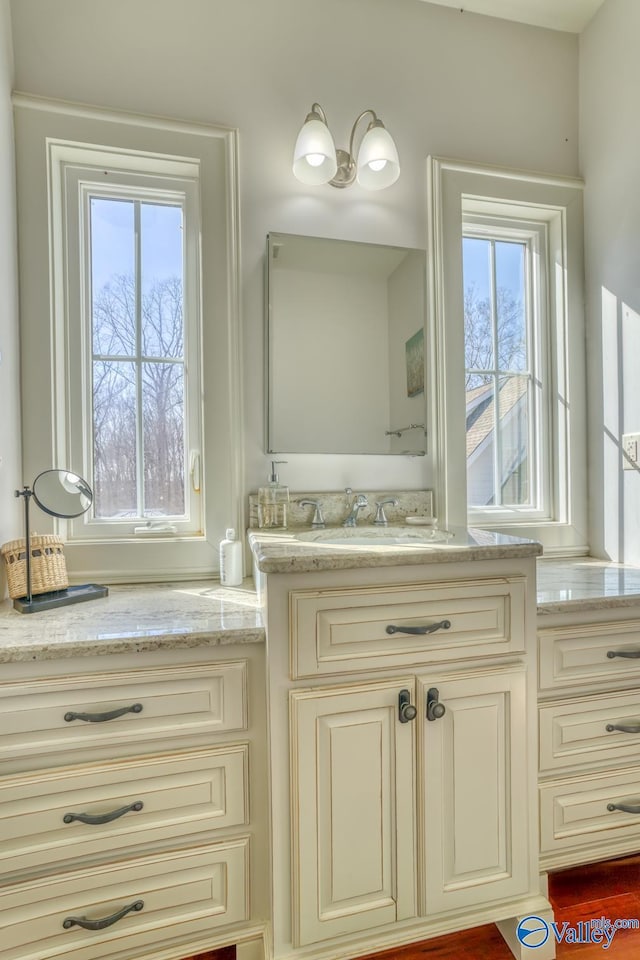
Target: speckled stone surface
<point x="283" y="553"/>
<point x="179" y="615"/>
<point x="565" y="586"/>
<point x="135" y="618"/>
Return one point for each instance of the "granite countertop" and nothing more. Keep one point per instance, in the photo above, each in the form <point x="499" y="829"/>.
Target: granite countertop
<point x="565" y="586"/>
<point x="282" y="552"/>
<point x="135" y="618"/>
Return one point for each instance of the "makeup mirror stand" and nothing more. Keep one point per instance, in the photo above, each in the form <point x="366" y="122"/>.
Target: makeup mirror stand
<point x="54" y="598"/>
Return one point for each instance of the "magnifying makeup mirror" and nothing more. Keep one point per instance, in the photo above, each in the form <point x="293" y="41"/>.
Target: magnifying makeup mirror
<point x="64" y="494"/>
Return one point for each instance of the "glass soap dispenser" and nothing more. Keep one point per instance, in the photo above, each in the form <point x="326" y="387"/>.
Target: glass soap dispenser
<point x="273" y="501"/>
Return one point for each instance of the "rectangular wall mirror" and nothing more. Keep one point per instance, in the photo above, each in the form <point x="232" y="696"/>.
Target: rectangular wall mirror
<point x="345" y="347"/>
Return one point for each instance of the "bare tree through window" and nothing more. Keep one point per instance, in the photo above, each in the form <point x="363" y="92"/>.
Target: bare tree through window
<point x="138" y="366"/>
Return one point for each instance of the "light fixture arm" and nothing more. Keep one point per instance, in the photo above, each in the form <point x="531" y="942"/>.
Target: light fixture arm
<point x="317" y="113"/>
<point x="347" y="167"/>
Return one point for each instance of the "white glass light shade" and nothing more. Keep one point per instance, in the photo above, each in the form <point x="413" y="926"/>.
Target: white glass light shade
<point x="378" y="163"/>
<point x="314" y="156"/>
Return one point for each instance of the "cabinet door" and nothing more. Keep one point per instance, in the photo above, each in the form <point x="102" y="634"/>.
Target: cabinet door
<point x="352" y="809"/>
<point x="474" y="795"/>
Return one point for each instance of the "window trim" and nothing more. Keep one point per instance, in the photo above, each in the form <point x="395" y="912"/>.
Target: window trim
<point x="80" y="184"/>
<point x="39" y="125"/>
<point x="533" y="234"/>
<point x="455" y="187"/>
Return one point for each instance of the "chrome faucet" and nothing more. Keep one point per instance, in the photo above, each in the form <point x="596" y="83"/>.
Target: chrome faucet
<point x="359" y="501"/>
<point x="381" y="517"/>
<point x="318" y="519"/>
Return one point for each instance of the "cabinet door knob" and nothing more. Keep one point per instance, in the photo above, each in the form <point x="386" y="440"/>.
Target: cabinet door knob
<point x="435" y="709"/>
<point x="420" y="631"/>
<point x="406" y="710"/>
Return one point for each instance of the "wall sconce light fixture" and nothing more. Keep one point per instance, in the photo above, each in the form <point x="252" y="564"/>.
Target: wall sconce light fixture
<point x="316" y="159"/>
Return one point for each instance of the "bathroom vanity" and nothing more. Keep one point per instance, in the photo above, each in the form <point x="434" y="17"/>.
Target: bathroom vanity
<point x="402" y="687"/>
<point x="589" y="655"/>
<point x="396" y="791"/>
<point x="132" y="776"/>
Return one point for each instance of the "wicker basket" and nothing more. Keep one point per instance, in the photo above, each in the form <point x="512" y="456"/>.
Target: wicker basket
<point x="48" y="565"/>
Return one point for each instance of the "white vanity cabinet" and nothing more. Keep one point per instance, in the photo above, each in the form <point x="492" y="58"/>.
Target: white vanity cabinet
<point x="361" y="777"/>
<point x="130" y="826"/>
<point x="403" y="764"/>
<point x="589" y="735"/>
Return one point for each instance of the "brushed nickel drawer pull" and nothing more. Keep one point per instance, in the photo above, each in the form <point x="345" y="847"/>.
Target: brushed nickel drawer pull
<point x="101" y="717"/>
<point x="625" y="807"/>
<point x="623" y="727"/>
<point x="627" y="654"/>
<point x="420" y="631"/>
<point x="103" y="817"/>
<point x="69" y="922"/>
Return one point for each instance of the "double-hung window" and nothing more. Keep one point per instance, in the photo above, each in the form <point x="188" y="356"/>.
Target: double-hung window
<point x="134" y="285"/>
<point x="507" y="370"/>
<point x="508" y="399"/>
<point x="130" y="339"/>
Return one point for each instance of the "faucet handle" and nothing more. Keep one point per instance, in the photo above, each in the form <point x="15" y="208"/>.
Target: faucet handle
<point x="318" y="518"/>
<point x="381" y="517"/>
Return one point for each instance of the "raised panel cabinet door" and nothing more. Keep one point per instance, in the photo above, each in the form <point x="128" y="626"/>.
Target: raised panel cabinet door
<point x="353" y="817"/>
<point x="474" y="794"/>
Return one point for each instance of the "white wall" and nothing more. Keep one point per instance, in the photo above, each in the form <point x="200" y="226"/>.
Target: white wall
<point x="610" y="162"/>
<point x="10" y="469"/>
<point x="445" y="83"/>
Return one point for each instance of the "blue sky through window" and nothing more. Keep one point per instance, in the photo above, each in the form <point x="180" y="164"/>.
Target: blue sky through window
<point x="509" y="266"/>
<point x="113" y="245"/>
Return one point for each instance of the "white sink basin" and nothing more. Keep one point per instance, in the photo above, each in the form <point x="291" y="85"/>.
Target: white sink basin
<point x="378" y="537"/>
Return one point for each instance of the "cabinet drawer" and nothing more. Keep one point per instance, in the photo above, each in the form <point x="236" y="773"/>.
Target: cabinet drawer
<point x="89" y="710"/>
<point x="182" y="893"/>
<point x="42" y="816"/>
<point x="347" y="630"/>
<point x="591" y="653"/>
<point x="574" y="813"/>
<point x="577" y="732"/>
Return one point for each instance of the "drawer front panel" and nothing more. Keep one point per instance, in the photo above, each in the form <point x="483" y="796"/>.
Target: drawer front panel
<point x="602" y="729"/>
<point x="182" y="893"/>
<point x="575" y="813"/>
<point x="47" y="716"/>
<point x="591" y="653"/>
<point x="42" y="816"/>
<point x="341" y="631"/>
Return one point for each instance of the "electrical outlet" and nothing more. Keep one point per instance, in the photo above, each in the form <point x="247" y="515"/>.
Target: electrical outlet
<point x="630" y="449"/>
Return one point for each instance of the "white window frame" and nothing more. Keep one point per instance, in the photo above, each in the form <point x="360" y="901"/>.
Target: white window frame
<point x="460" y="194"/>
<point x="533" y="235"/>
<point x="81" y="183"/>
<point x="61" y="142"/>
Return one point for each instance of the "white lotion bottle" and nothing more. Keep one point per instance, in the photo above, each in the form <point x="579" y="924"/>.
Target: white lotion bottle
<point x="230" y="560"/>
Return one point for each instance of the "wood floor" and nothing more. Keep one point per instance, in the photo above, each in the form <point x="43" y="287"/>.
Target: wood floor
<point x="610" y="890"/>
